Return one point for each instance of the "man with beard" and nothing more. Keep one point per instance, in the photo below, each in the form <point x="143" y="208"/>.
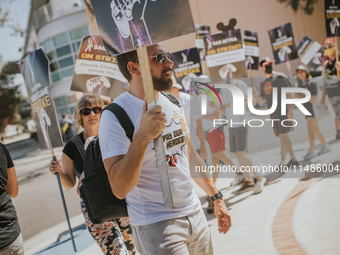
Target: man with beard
<point x="132" y="169"/>
<point x="277" y="80"/>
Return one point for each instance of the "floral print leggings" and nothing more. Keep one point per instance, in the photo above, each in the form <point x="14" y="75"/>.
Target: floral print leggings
<point x="113" y="237"/>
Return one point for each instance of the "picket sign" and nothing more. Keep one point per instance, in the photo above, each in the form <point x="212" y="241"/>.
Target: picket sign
<point x="35" y="71"/>
<point x="159" y="147"/>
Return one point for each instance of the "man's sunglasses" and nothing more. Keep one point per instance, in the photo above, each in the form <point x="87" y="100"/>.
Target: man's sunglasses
<point x="161" y="56"/>
<point x="87" y="111"/>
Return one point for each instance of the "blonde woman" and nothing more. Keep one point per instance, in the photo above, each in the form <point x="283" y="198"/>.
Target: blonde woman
<point x="114" y="236"/>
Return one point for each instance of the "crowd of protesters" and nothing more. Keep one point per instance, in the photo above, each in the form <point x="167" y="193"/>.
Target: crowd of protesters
<point x="130" y="165"/>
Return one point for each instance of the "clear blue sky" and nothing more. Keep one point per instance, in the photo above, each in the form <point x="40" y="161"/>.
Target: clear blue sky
<point x="9" y="44"/>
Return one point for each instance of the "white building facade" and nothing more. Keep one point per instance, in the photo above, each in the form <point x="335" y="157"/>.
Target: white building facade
<point x="57" y="26"/>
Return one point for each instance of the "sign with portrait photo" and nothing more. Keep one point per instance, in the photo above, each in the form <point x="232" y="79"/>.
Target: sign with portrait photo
<point x="251" y="49"/>
<point x="332" y="15"/>
<point x="95" y="72"/>
<point x="187" y="65"/>
<point x="310" y="52"/>
<point x="283" y="45"/>
<point x="35" y="70"/>
<point x="225" y="55"/>
<point x="126" y="25"/>
<point x="199" y="43"/>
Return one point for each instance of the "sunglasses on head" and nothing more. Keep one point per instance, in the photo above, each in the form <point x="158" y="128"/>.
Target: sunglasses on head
<point x="161" y="56"/>
<point x="87" y="111"/>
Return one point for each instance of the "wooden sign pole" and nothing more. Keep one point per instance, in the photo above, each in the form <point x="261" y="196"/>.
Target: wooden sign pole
<point x="162" y="163"/>
<point x="336" y="53"/>
<point x="289" y="69"/>
<point x="250" y="73"/>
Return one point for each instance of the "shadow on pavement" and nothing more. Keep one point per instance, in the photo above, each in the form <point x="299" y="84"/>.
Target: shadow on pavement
<point x="21" y="148"/>
<point x="63" y="245"/>
<point x="333" y="171"/>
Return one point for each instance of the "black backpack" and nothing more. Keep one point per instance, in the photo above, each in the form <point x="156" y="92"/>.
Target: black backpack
<point x="101" y="204"/>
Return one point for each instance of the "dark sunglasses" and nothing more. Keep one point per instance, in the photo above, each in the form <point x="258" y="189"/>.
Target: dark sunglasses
<point x="161" y="56"/>
<point x="328" y="46"/>
<point x="87" y="111"/>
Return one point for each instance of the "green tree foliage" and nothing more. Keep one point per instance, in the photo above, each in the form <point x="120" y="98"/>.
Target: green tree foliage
<point x="8" y="20"/>
<point x="10" y="101"/>
<point x="306" y="5"/>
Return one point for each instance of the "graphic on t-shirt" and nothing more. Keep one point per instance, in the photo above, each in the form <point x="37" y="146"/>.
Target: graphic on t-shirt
<point x="175" y="140"/>
<point x="97" y="83"/>
<point x="227" y="71"/>
<point x="268" y="88"/>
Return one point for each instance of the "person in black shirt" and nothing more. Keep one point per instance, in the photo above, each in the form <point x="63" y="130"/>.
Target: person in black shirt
<point x="277" y="80"/>
<point x="10" y="236"/>
<point x="312" y="122"/>
<point x="331" y="88"/>
<point x="113" y="236"/>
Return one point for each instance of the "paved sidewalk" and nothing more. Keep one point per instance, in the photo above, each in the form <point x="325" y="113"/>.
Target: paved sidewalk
<point x="296" y="213"/>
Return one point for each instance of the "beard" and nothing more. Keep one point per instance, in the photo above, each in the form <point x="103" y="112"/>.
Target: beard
<point x="162" y="84"/>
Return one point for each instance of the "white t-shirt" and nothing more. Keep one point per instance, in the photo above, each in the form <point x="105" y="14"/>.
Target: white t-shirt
<point x="227" y="99"/>
<point x="145" y="201"/>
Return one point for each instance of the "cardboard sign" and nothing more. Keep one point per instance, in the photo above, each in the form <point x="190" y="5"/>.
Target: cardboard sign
<point x="95" y="72"/>
<point x="283" y="44"/>
<point x="187" y="65"/>
<point x="310" y="52"/>
<point x="199" y="43"/>
<point x="332" y="15"/>
<point x="225" y="55"/>
<point x="126" y="25"/>
<point x="251" y="49"/>
<point x="35" y="71"/>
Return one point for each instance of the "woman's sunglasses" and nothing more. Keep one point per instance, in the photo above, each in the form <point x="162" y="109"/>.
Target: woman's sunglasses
<point x="87" y="111"/>
<point x="161" y="56"/>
